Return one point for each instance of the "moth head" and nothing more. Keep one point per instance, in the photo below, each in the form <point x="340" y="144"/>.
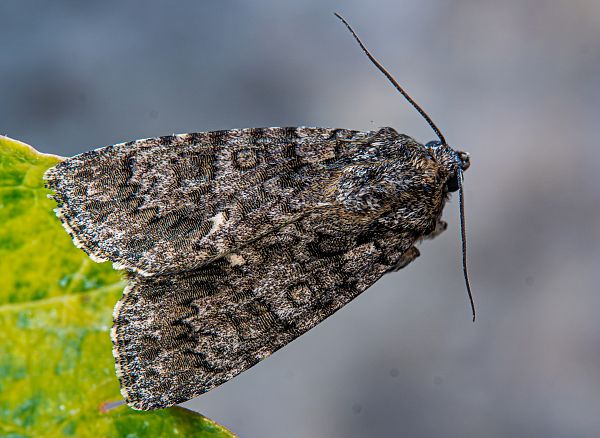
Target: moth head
<point x="455" y="162"/>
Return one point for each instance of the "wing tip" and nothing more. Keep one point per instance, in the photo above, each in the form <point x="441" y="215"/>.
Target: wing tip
<point x="66" y="216"/>
<point x="121" y="367"/>
<point x="131" y="394"/>
<point x="75" y="236"/>
<point x="52" y="176"/>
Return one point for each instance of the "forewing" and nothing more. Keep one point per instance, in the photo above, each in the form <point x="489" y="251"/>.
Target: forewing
<point x="178" y="336"/>
<point x="170" y="203"/>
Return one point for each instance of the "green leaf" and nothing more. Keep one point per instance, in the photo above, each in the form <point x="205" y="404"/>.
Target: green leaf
<point x="56" y="367"/>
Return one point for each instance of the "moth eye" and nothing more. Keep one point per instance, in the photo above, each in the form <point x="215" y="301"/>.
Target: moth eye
<point x="452" y="183"/>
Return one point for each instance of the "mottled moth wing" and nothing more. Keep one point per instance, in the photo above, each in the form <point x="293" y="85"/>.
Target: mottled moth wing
<point x="171" y="203"/>
<point x="178" y="336"/>
<point x="237" y="242"/>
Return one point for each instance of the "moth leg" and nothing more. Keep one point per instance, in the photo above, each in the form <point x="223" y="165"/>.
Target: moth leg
<point x="409" y="255"/>
<point x="440" y="227"/>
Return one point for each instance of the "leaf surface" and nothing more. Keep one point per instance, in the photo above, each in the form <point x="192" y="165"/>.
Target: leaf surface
<point x="56" y="367"/>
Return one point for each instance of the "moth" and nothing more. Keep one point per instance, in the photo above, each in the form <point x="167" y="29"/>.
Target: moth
<point x="236" y="242"/>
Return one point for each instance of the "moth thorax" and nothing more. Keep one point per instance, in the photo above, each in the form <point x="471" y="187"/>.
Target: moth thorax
<point x="363" y="188"/>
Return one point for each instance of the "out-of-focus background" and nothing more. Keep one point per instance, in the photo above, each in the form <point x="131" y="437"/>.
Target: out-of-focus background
<point x="515" y="83"/>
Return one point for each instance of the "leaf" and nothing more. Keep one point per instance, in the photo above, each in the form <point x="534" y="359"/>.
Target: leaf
<point x="56" y="367"/>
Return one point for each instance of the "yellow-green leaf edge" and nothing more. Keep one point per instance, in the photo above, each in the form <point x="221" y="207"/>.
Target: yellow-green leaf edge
<point x="56" y="366"/>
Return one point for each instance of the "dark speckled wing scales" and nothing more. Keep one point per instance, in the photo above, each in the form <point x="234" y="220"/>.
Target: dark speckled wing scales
<point x="237" y="242"/>
<point x="170" y="203"/>
<point x="178" y="336"/>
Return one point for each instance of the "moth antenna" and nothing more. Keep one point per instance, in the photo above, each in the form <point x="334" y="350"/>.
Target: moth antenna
<point x="393" y="81"/>
<point x="461" y="198"/>
<point x="463" y="234"/>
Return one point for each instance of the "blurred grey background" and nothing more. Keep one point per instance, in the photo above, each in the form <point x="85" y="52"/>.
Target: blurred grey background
<point x="515" y="83"/>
